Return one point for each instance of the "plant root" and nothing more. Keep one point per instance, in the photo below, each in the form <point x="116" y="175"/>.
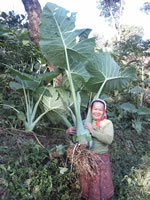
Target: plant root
<point x="84" y="160"/>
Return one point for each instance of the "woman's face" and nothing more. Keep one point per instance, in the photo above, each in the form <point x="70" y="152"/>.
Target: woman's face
<point x="97" y="110"/>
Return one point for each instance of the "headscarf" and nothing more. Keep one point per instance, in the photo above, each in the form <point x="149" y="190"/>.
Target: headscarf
<point x="104" y="116"/>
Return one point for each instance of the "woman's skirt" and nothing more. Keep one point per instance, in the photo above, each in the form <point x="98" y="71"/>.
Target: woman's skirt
<point x="98" y="186"/>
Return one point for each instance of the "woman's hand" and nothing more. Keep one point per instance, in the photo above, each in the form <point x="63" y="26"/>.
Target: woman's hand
<point x="89" y="127"/>
<point x="71" y="131"/>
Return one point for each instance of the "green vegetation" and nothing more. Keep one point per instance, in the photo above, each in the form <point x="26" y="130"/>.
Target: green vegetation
<point x="27" y="170"/>
<point x="104" y="74"/>
<point x="28" y="173"/>
<point x="26" y="166"/>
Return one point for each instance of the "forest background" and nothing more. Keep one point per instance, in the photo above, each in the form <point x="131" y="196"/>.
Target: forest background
<point x="33" y="120"/>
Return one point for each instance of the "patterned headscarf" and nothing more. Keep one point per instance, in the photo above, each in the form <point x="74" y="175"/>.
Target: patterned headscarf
<point x="104" y="116"/>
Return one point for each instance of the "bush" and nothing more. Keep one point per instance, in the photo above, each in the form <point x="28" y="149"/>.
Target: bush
<point x="136" y="185"/>
<point x="130" y="163"/>
<point x="27" y="173"/>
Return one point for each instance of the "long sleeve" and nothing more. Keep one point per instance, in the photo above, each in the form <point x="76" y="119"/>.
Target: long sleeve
<point x="105" y="133"/>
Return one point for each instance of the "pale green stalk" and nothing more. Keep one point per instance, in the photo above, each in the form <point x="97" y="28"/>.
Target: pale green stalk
<point x="64" y="119"/>
<point x="31" y="110"/>
<point x="79" y="124"/>
<point x="10" y="107"/>
<point x="100" y="90"/>
<point x="31" y="126"/>
<point x="73" y="94"/>
<point x="81" y="135"/>
<point x="73" y="116"/>
<point x="68" y="72"/>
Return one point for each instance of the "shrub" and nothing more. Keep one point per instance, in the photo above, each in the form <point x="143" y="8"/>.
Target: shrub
<point x="27" y="173"/>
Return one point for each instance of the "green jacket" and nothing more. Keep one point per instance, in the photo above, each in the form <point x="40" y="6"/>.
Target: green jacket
<point x="102" y="136"/>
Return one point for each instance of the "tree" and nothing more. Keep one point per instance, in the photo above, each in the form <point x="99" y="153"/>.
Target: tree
<point x="112" y="10"/>
<point x="33" y="8"/>
<point x="132" y="50"/>
<point x="14" y="38"/>
<point x="146" y="7"/>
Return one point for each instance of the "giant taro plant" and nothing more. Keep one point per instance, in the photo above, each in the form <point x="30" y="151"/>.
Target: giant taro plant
<point x="61" y="46"/>
<point x="30" y="84"/>
<point x="58" y="42"/>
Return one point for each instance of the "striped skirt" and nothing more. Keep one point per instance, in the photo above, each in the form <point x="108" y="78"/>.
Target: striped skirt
<point x="99" y="186"/>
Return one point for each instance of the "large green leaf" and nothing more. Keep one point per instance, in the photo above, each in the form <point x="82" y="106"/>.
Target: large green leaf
<point x="57" y="36"/>
<point x="27" y="84"/>
<point x="15" y="86"/>
<point x="29" y="81"/>
<point x="143" y="111"/>
<point x="79" y="71"/>
<point x="129" y="107"/>
<point x="49" y="76"/>
<point x="22" y="75"/>
<point x="79" y="76"/>
<point x="104" y="69"/>
<point x="25" y="76"/>
<point x="56" y="100"/>
<point x="53" y="99"/>
<point x="136" y="90"/>
<point x="132" y="109"/>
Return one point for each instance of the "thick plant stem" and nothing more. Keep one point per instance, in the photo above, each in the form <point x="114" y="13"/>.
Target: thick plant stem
<point x="81" y="131"/>
<point x="100" y="90"/>
<point x="68" y="72"/>
<point x="73" y="94"/>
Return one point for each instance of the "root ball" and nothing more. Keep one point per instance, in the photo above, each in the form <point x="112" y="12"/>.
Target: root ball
<point x="84" y="160"/>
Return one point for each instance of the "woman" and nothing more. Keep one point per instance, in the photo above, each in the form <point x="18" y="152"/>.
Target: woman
<point x="98" y="186"/>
